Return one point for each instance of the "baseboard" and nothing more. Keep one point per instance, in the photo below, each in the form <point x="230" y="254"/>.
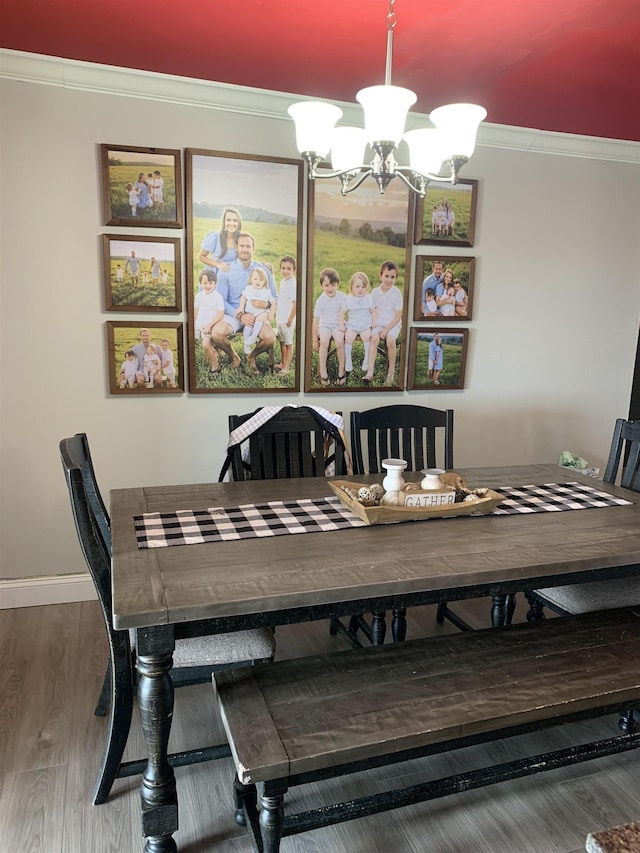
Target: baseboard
<point x="58" y="589"/>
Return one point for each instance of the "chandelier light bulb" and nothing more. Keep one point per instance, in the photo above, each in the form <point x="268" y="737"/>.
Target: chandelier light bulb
<point x="315" y="123"/>
<point x="385" y="112"/>
<point x="425" y="151"/>
<point x="458" y="126"/>
<point x="347" y="147"/>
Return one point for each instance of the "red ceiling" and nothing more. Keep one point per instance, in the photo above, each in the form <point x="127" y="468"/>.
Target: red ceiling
<point x="558" y="65"/>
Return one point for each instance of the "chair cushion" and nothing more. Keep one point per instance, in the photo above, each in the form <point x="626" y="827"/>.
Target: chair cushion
<point x="219" y="649"/>
<point x="598" y="595"/>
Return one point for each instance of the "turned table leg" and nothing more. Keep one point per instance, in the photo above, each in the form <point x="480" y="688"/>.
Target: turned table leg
<point x="378" y="627"/>
<point x="154" y="650"/>
<point x="399" y="624"/>
<point x="272" y="814"/>
<point x="498" y="610"/>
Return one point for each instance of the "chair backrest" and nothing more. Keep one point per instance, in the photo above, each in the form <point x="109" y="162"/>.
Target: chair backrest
<point x="293" y="443"/>
<point x="625" y="445"/>
<point x="89" y="516"/>
<point x="75" y="453"/>
<point x="400" y="432"/>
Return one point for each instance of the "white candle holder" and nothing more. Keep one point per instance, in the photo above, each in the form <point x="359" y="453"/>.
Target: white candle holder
<point x="432" y="479"/>
<point x="393" y="481"/>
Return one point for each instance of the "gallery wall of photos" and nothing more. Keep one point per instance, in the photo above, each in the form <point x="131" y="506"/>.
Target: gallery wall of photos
<point x="373" y="320"/>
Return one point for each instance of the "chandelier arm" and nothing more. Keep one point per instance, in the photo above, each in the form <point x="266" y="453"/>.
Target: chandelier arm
<point x="355" y="169"/>
<point x="429" y="177"/>
<point x="419" y="187"/>
<point x="348" y="187"/>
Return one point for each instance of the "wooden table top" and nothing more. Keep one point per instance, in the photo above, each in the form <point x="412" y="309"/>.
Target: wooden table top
<point x="227" y="579"/>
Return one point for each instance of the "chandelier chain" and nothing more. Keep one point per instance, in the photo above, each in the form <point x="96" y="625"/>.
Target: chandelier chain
<point x="392" y="18"/>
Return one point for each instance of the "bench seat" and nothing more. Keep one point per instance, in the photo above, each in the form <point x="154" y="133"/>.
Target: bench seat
<point x="296" y="721"/>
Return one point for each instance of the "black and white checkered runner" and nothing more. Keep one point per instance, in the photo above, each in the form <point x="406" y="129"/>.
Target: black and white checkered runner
<point x="277" y="518"/>
<point x="554" y="497"/>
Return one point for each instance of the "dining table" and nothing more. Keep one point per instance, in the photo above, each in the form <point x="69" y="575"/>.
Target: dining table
<point x="179" y="585"/>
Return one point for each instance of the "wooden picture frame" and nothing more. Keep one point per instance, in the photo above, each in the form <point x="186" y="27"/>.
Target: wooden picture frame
<point x="353" y="235"/>
<point x="457" y="275"/>
<point x="130" y="197"/>
<point x="142" y="273"/>
<point x="446" y="216"/>
<point x="423" y="373"/>
<point x="261" y="200"/>
<point x="145" y="379"/>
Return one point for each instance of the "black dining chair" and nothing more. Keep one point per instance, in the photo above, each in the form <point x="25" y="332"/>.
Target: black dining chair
<point x="296" y="441"/>
<point x="195" y="658"/>
<point x="599" y="595"/>
<point x="422" y="437"/>
<point x="401" y="432"/>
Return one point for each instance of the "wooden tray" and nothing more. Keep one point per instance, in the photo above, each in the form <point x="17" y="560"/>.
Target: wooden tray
<point x="393" y="514"/>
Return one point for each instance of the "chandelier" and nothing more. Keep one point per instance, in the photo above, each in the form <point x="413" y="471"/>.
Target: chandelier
<point x="445" y="148"/>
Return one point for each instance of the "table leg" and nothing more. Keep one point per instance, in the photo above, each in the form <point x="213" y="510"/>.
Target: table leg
<point x="378" y="627"/>
<point x="498" y="610"/>
<point x="399" y="624"/>
<point x="154" y="651"/>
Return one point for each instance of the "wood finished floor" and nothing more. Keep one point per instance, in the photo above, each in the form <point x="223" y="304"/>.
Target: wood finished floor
<point x="52" y="664"/>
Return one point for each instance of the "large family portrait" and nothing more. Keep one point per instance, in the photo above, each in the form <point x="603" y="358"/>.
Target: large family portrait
<point x="356" y="287"/>
<point x="145" y="360"/>
<point x="141" y="186"/>
<point x="142" y="272"/>
<point x="443" y="289"/>
<point x="244" y="244"/>
<point x="447" y="214"/>
<point x="437" y="359"/>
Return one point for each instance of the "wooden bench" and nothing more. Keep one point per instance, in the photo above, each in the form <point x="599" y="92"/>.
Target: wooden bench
<point x="297" y="721"/>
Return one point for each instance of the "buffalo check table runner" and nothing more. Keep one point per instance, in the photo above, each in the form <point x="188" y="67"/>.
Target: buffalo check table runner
<point x="277" y="518"/>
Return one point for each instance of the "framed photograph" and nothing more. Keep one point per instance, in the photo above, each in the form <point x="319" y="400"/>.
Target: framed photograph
<point x="142" y="273"/>
<point x="443" y="289"/>
<point x="437" y="359"/>
<point x="244" y="244"/>
<point x="145" y="360"/>
<point x="141" y="186"/>
<point x="357" y="287"/>
<point x="446" y="216"/>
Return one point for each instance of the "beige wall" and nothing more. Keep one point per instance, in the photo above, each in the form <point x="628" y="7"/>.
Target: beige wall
<point x="556" y="307"/>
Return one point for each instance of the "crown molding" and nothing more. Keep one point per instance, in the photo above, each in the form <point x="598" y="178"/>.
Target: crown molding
<point x="131" y="83"/>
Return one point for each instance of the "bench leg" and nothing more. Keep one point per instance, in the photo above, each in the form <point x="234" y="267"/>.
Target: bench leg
<point x="399" y="624"/>
<point x="627" y="722"/>
<point x="272" y="815"/>
<point x="535" y="613"/>
<point x="244" y="796"/>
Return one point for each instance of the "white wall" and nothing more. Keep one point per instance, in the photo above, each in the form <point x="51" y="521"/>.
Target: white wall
<point x="556" y="306"/>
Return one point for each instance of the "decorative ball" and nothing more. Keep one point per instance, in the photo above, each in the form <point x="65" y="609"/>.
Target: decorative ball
<point x="390" y="499"/>
<point x="412" y="487"/>
<point x="376" y="491"/>
<point x="364" y="494"/>
<point x="472" y="499"/>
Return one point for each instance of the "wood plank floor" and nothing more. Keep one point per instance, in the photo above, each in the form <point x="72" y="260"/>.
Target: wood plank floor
<point x="51" y="667"/>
